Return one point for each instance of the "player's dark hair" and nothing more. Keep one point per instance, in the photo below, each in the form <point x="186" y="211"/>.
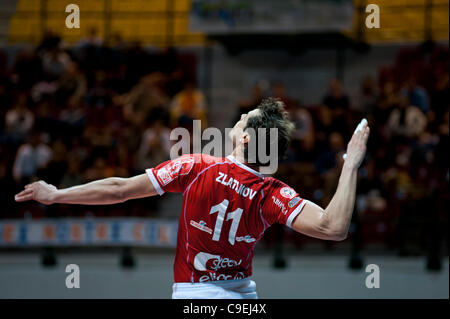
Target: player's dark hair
<point x="272" y="114"/>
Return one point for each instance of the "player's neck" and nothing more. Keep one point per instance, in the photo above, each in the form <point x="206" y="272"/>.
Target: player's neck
<point x="239" y="156"/>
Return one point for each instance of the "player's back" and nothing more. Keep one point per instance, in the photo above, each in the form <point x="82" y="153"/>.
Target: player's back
<point x="227" y="206"/>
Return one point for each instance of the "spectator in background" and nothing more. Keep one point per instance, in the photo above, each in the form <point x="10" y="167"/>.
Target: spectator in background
<point x="100" y="111"/>
<point x="49" y="41"/>
<point x="119" y="82"/>
<point x="188" y="105"/>
<point x="99" y="169"/>
<point x="44" y="89"/>
<point x="155" y="146"/>
<point x="27" y="69"/>
<point x="46" y="119"/>
<point x="169" y="65"/>
<point x="406" y="121"/>
<point x="138" y="61"/>
<point x="387" y="101"/>
<point x="79" y="149"/>
<point x="5" y="104"/>
<point x="92" y="38"/>
<point x="332" y="154"/>
<point x="5" y="88"/>
<point x="130" y="136"/>
<point x="4" y="72"/>
<point x="440" y="94"/>
<point x="367" y="96"/>
<point x="118" y="44"/>
<point x="336" y="98"/>
<point x="372" y="194"/>
<point x="55" y="62"/>
<point x="98" y="96"/>
<point x="304" y="126"/>
<point x="339" y="104"/>
<point x="323" y="123"/>
<point x="88" y="50"/>
<point x="100" y="138"/>
<point x="73" y="118"/>
<point x="279" y="91"/>
<point x="442" y="152"/>
<point x="31" y="157"/>
<point x="73" y="174"/>
<point x="19" y="120"/>
<point x="146" y="96"/>
<point x="121" y="160"/>
<point x="416" y="94"/>
<point x="245" y="105"/>
<point x="57" y="166"/>
<point x="71" y="86"/>
<point x="303" y="136"/>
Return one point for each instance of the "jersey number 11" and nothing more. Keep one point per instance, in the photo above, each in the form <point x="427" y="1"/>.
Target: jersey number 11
<point x="235" y="216"/>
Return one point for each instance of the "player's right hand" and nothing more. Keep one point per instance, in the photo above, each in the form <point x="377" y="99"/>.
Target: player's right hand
<point x="39" y="191"/>
<point x="356" y="149"/>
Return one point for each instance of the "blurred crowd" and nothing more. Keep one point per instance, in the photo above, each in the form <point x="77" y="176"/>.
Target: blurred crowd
<point x="92" y="111"/>
<point x="403" y="194"/>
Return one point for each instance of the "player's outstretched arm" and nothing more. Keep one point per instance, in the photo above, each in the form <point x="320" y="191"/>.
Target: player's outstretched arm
<point x="101" y="192"/>
<point x="333" y="222"/>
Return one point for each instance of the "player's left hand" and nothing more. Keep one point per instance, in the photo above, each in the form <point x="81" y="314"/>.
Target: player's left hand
<point x="39" y="191"/>
<point x="356" y="149"/>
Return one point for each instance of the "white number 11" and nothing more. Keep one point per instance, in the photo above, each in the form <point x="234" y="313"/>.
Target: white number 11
<point x="235" y="216"/>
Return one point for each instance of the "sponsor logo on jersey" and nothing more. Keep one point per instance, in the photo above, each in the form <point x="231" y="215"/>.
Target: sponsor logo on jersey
<point x="235" y="185"/>
<point x="248" y="239"/>
<point x="168" y="172"/>
<point x="202" y="226"/>
<point x="164" y="176"/>
<point x="280" y="204"/>
<point x="287" y="192"/>
<point x="204" y="261"/>
<point x="212" y="276"/>
<point x="293" y="202"/>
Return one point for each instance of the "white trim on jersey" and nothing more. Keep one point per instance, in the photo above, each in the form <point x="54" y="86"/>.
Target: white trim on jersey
<point x="295" y="213"/>
<point x="154" y="181"/>
<point x="242" y="165"/>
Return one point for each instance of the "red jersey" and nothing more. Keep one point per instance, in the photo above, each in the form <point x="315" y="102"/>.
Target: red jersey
<point x="227" y="206"/>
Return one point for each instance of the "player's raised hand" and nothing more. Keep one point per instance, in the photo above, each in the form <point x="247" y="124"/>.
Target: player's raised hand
<point x="356" y="148"/>
<point x="39" y="191"/>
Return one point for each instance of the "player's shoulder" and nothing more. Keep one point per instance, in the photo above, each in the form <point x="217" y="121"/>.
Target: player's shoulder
<point x="273" y="182"/>
<point x="199" y="158"/>
<point x="199" y="161"/>
<point x="206" y="159"/>
<point x="274" y="185"/>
